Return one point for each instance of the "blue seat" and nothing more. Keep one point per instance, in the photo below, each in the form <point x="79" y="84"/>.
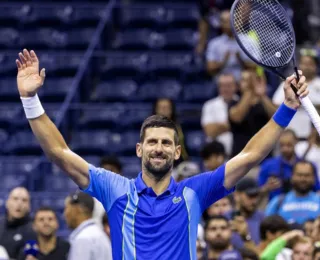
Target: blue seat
<point x="9" y="38"/>
<point x="173" y="64"/>
<point x="123" y="143"/>
<point x="160" y="89"/>
<point x="195" y="141"/>
<point x="3" y="138"/>
<point x="135" y="114"/>
<point x="183" y="16"/>
<point x="56" y="200"/>
<point x="55" y="90"/>
<point x="199" y="91"/>
<point x="60" y="183"/>
<point x="90" y="142"/>
<point x="10" y="181"/>
<point x="119" y="65"/>
<point x="180" y="40"/>
<point x="117" y="90"/>
<point x="23" y="143"/>
<point x="19" y="165"/>
<point x="7" y="64"/>
<point x="131" y="166"/>
<point x="142" y="16"/>
<point x="139" y="40"/>
<point x="80" y="38"/>
<point x="11" y="115"/>
<point x="8" y="90"/>
<point x="110" y="116"/>
<point x="189" y="115"/>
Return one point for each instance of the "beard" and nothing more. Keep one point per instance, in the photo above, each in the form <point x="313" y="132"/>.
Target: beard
<point x="302" y="188"/>
<point x="219" y="244"/>
<point x="158" y="171"/>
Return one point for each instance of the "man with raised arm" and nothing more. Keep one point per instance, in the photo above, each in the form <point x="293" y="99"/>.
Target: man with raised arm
<point x="152" y="216"/>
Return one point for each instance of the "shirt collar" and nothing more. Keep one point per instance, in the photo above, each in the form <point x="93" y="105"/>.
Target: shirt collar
<point x="141" y="186"/>
<point x="81" y="227"/>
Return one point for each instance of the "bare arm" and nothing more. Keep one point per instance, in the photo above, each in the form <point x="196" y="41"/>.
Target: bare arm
<point x="262" y="143"/>
<point x="29" y="81"/>
<point x="215" y="129"/>
<point x="238" y="112"/>
<point x="203" y="28"/>
<point x="214" y="67"/>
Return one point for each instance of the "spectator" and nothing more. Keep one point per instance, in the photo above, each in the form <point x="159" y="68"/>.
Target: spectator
<point x="87" y="239"/>
<point x="308" y="64"/>
<point x="308" y="227"/>
<point x="214" y="118"/>
<point x="276" y="249"/>
<point x="111" y="163"/>
<point x="105" y="224"/>
<point x="246" y="198"/>
<point x="316" y="253"/>
<point x="16" y="225"/>
<point x="209" y="17"/>
<point x="301" y="203"/>
<point x="219" y="208"/>
<point x="185" y="170"/>
<point x="4" y="254"/>
<point x="166" y="107"/>
<point x="275" y="173"/>
<point x="310" y="149"/>
<point x="213" y="155"/>
<point x="224" y="54"/>
<point x="251" y="112"/>
<point x="271" y="228"/>
<point x="51" y="247"/>
<point x="218" y="237"/>
<point x="200" y="244"/>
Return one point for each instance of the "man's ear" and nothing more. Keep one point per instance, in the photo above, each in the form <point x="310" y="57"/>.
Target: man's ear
<point x="139" y="150"/>
<point x="177" y="153"/>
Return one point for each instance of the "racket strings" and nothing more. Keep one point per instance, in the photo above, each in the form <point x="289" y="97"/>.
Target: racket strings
<point x="264" y="31"/>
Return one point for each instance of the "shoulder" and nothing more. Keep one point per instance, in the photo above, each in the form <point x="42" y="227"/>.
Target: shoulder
<point x="63" y="243"/>
<point x="216" y="40"/>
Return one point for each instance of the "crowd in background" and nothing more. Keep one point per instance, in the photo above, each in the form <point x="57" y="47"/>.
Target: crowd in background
<point x="274" y="212"/>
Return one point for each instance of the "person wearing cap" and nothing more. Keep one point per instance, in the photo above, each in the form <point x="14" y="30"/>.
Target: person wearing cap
<point x="88" y="241"/>
<point x="185" y="170"/>
<point x="246" y="198"/>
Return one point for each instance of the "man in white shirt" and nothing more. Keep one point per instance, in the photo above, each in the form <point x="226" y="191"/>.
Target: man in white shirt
<point x="224" y="54"/>
<point x="214" y="118"/>
<point x="301" y="123"/>
<point x="88" y="241"/>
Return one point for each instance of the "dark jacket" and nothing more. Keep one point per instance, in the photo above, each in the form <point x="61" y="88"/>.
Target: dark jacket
<point x="14" y="234"/>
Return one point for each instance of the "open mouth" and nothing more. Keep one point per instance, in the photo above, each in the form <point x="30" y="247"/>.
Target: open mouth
<point x="157" y="159"/>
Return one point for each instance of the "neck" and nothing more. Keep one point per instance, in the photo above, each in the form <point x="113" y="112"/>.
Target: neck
<point x="47" y="244"/>
<point x="158" y="186"/>
<point x="81" y="219"/>
<point x="291" y="159"/>
<point x="299" y="194"/>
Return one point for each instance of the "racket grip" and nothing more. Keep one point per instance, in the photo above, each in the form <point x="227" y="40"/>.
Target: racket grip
<point x="312" y="112"/>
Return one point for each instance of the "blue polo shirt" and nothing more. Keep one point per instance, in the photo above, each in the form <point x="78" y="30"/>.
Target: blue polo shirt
<point x="280" y="168"/>
<point x="146" y="226"/>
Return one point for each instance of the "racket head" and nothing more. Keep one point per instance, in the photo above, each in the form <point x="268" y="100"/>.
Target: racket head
<point x="258" y="33"/>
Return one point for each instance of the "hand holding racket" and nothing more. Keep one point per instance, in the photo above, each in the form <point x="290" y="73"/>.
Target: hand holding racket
<point x="264" y="32"/>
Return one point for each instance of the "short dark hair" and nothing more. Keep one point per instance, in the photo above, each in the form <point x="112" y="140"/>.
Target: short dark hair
<point x="44" y="208"/>
<point x="219" y="217"/>
<point x="273" y="224"/>
<point x="105" y="220"/>
<point x="84" y="200"/>
<point x="212" y="148"/>
<point x="157" y="121"/>
<point x="290" y="131"/>
<point x="303" y="161"/>
<point x="112" y="160"/>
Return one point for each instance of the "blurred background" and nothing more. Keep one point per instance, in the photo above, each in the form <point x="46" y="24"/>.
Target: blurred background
<point x="110" y="64"/>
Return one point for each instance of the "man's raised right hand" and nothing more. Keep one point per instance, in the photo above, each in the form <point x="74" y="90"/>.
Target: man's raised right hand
<point x="29" y="79"/>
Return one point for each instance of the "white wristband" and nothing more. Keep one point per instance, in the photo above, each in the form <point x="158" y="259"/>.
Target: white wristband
<point x="32" y="107"/>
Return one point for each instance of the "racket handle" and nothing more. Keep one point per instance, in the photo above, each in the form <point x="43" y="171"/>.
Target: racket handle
<point x="312" y="112"/>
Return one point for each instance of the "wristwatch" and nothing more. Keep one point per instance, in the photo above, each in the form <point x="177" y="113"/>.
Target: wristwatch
<point x="246" y="238"/>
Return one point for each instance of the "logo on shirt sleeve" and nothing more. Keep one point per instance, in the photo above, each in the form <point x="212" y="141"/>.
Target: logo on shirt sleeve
<point x="176" y="200"/>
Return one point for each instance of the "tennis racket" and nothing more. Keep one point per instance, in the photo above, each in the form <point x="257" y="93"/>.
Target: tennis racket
<point x="264" y="32"/>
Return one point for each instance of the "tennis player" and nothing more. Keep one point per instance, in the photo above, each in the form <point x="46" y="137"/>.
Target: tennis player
<point x="152" y="216"/>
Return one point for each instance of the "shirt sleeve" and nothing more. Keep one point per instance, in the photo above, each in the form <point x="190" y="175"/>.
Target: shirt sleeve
<point x="263" y="174"/>
<point x="106" y="186"/>
<point x="209" y="187"/>
<point x="80" y="250"/>
<point x="273" y="249"/>
<point x="271" y="208"/>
